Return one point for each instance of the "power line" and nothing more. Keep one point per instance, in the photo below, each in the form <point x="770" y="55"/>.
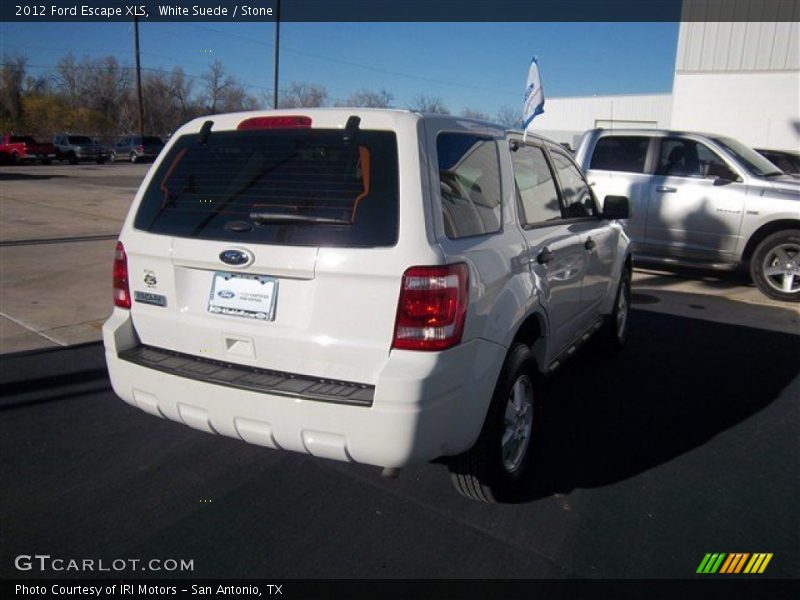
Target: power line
<point x="358" y="65"/>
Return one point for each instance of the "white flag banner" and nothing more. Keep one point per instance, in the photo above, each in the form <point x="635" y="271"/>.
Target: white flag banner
<point x="534" y="95"/>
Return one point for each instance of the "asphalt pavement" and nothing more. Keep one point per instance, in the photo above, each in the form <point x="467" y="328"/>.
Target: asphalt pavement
<point x="683" y="444"/>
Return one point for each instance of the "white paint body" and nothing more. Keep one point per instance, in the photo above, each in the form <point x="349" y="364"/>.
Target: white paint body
<point x="336" y="311"/>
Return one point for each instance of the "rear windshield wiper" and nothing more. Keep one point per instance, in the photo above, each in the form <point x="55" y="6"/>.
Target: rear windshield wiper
<point x="774" y="174"/>
<point x="269" y="217"/>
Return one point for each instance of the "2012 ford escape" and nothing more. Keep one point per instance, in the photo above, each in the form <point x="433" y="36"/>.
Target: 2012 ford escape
<point x="375" y="286"/>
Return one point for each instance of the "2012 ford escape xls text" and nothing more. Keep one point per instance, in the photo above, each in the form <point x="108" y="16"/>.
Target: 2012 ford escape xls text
<point x="375" y="286"/>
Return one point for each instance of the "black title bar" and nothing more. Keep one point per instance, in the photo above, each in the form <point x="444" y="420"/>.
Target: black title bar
<point x="399" y="10"/>
<point x="731" y="588"/>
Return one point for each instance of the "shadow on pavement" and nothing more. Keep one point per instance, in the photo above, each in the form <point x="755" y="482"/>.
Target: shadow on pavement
<point x="677" y="384"/>
<point x="660" y="275"/>
<point x="27" y="176"/>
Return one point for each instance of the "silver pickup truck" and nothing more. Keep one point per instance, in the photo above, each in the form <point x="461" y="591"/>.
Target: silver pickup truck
<point x="701" y="199"/>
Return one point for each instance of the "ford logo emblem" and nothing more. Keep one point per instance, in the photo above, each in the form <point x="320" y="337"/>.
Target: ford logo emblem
<point x="235" y="257"/>
<point x="227" y="294"/>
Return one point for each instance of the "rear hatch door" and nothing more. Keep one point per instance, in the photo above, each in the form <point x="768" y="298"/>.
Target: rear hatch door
<point x="270" y="248"/>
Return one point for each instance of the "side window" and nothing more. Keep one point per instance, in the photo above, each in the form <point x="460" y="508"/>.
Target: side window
<point x="620" y="153"/>
<point x="578" y="199"/>
<point x="469" y="179"/>
<point x="687" y="158"/>
<point x="536" y="188"/>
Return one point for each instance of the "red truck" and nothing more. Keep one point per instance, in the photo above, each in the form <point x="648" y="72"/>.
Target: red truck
<point x="17" y="148"/>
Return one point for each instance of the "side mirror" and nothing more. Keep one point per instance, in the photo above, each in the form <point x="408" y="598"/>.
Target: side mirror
<point x="616" y="207"/>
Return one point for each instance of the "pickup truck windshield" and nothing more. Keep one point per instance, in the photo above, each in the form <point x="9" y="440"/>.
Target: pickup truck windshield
<point x="748" y="158"/>
<point x="302" y="187"/>
<point x="79" y="139"/>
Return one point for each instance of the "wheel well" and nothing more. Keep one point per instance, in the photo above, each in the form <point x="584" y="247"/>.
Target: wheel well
<point x="763" y="232"/>
<point x="530" y="331"/>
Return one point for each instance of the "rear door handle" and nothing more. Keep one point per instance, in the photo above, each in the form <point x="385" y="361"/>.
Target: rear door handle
<point x="666" y="190"/>
<point x="545" y="256"/>
<point x="590" y="244"/>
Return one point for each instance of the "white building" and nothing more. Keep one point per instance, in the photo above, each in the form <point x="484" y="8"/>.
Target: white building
<point x="740" y="79"/>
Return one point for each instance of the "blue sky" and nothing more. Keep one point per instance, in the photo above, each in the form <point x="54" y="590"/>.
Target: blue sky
<point x="476" y="65"/>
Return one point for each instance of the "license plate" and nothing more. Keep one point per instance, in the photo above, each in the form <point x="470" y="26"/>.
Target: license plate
<point x="241" y="295"/>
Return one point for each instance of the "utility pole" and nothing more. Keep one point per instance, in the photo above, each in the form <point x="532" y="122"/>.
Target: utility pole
<point x="138" y="76"/>
<point x="276" y="54"/>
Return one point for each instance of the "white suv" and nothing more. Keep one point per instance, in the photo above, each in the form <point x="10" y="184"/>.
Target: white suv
<point x="375" y="286"/>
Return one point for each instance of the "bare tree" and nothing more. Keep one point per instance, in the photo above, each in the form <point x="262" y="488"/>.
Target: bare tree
<point x="429" y="104"/>
<point x="70" y="81"/>
<point x="216" y="82"/>
<point x="181" y="92"/>
<point x="109" y="84"/>
<point x="472" y="113"/>
<point x="370" y="99"/>
<point x="508" y="116"/>
<point x="12" y="77"/>
<point x="303" y="95"/>
<point x="235" y="98"/>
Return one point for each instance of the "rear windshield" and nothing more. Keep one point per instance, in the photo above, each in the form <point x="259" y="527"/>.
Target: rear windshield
<point x="299" y="187"/>
<point x="79" y="139"/>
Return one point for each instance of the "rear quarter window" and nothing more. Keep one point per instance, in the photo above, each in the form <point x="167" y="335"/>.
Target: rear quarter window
<point x="620" y="153"/>
<point x="469" y="181"/>
<point x="301" y="187"/>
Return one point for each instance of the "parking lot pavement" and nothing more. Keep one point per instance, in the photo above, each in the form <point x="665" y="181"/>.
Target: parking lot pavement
<point x="38" y="201"/>
<point x="723" y="297"/>
<point x="683" y="444"/>
<point x="57" y="294"/>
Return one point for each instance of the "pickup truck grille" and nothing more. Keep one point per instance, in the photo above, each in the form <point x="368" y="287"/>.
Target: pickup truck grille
<point x="250" y="378"/>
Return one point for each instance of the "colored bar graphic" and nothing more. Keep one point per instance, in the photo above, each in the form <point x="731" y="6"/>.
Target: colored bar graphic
<point x="726" y="565"/>
<point x="703" y="563"/>
<point x="717" y="563"/>
<point x="765" y="563"/>
<point x="739" y="565"/>
<point x="722" y="563"/>
<point x="754" y="563"/>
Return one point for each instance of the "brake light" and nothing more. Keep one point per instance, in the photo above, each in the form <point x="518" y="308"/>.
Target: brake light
<point x="285" y="122"/>
<point x="122" y="295"/>
<point x="432" y="308"/>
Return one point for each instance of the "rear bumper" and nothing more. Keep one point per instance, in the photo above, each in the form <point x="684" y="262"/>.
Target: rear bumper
<point x="425" y="405"/>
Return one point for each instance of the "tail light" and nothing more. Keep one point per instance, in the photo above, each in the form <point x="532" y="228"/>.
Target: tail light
<point x="432" y="308"/>
<point x="284" y="122"/>
<point x="139" y="148"/>
<point x="122" y="295"/>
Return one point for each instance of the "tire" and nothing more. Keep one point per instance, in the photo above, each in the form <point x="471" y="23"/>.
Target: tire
<point x="775" y="266"/>
<point x="112" y="156"/>
<point x="615" y="331"/>
<point x="485" y="472"/>
<point x="46" y="161"/>
<point x="134" y="158"/>
<point x="15" y="159"/>
<point x="73" y="160"/>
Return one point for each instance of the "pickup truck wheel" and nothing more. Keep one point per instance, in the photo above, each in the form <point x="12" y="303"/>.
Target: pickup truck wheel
<point x="15" y="160"/>
<point x="492" y="470"/>
<point x="616" y="328"/>
<point x="134" y="158"/>
<point x="73" y="160"/>
<point x="46" y="161"/>
<point x="775" y="265"/>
